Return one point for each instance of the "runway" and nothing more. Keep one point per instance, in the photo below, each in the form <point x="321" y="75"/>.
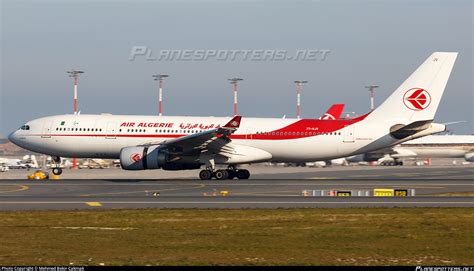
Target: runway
<point x="97" y="194"/>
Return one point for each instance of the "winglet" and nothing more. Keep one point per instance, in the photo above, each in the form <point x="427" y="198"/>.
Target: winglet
<point x="234" y="123"/>
<point x="454" y="122"/>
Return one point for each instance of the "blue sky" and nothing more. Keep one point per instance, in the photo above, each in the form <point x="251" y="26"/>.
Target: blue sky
<point x="377" y="42"/>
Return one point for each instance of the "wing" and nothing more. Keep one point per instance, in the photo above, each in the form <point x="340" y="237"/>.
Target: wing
<point x="214" y="139"/>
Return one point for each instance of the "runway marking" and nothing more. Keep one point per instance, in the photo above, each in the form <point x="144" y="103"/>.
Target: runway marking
<point x="321" y="178"/>
<point x="22" y="188"/>
<point x="94" y="204"/>
<point x="266" y="183"/>
<point x="142" y="191"/>
<point x="365" y="176"/>
<point x="244" y="202"/>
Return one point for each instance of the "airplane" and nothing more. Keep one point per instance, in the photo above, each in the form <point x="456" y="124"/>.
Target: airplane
<point x="433" y="146"/>
<point x="445" y="146"/>
<point x="180" y="142"/>
<point x="13" y="163"/>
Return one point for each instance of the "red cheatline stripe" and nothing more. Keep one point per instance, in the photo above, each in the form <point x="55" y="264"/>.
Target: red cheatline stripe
<point x="301" y="129"/>
<point x="245" y="136"/>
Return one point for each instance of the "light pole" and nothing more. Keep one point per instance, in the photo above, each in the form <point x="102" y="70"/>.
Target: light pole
<point x="299" y="87"/>
<point x="159" y="78"/>
<point x="75" y="75"/>
<point x="234" y="81"/>
<point x="372" y="95"/>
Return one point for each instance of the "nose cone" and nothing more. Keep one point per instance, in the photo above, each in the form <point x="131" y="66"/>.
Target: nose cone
<point x="12" y="138"/>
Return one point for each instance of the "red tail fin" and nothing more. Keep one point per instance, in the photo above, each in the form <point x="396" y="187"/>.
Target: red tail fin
<point x="334" y="112"/>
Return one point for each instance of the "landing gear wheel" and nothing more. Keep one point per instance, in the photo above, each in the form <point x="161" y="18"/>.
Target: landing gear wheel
<point x="205" y="174"/>
<point x="221" y="174"/>
<point x="57" y="171"/>
<point x="243" y="174"/>
<point x="231" y="174"/>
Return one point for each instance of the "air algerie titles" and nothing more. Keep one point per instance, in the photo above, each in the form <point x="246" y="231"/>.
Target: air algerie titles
<point x="169" y="125"/>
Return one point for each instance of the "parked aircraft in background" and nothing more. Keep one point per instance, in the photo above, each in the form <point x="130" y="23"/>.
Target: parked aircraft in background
<point x="28" y="161"/>
<point x="12" y="163"/>
<point x="333" y="113"/>
<point x="433" y="146"/>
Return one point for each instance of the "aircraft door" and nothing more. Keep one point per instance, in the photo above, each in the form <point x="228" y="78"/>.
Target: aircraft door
<point x="349" y="134"/>
<point x="248" y="133"/>
<point x="111" y="132"/>
<point x="47" y="129"/>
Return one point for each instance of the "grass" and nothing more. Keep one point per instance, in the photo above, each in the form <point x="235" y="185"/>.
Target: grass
<point x="415" y="236"/>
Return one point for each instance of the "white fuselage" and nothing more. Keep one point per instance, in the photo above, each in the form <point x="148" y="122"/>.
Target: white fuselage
<point x="103" y="136"/>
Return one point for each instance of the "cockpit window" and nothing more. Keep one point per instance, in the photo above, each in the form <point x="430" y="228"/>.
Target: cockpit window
<point x="25" y="127"/>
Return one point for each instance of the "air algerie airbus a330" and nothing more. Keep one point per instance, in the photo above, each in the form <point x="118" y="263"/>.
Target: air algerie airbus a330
<point x="180" y="143"/>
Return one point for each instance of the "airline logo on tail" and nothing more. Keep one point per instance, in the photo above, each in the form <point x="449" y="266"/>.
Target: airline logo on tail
<point x="417" y="99"/>
<point x="328" y="116"/>
<point x="333" y="113"/>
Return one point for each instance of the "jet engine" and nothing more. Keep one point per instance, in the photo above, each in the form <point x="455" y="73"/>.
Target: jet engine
<point x="365" y="157"/>
<point x="150" y="157"/>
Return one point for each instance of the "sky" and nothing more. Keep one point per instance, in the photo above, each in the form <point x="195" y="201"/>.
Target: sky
<point x="368" y="42"/>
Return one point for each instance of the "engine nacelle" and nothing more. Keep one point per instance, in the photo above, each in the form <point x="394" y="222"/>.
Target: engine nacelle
<point x="469" y="156"/>
<point x="152" y="157"/>
<point x="365" y="157"/>
<point x="138" y="158"/>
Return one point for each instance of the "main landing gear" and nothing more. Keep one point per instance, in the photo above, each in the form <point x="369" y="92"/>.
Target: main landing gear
<point x="56" y="169"/>
<point x="223" y="174"/>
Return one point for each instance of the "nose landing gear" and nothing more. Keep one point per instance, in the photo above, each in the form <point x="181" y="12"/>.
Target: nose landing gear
<point x="56" y="169"/>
